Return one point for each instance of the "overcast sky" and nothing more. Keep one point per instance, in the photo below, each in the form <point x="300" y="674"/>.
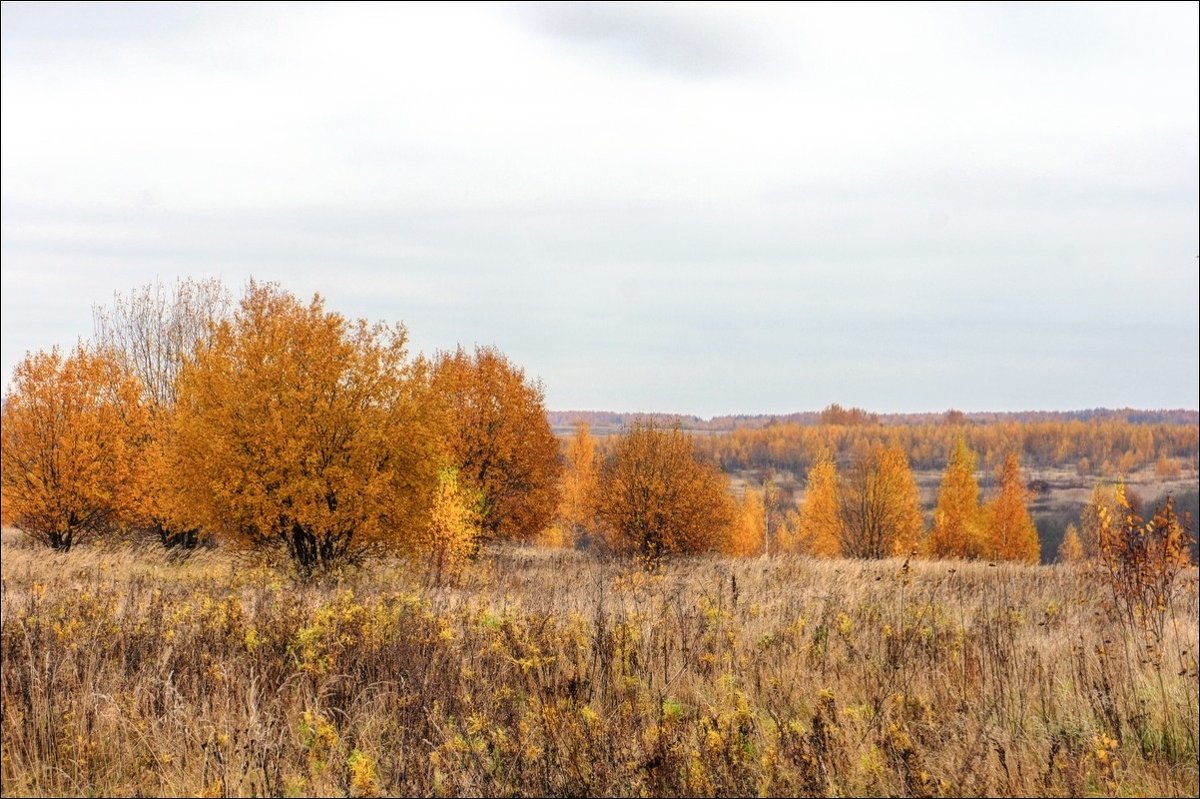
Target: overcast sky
<point x="702" y="209"/>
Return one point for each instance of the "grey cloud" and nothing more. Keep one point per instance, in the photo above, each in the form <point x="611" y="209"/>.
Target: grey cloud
<point x="654" y="36"/>
<point x="100" y="35"/>
<point x="58" y="30"/>
<point x="718" y="296"/>
<point x="63" y="24"/>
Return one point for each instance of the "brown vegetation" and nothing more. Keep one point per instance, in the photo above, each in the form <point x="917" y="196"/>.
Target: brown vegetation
<point x="544" y="673"/>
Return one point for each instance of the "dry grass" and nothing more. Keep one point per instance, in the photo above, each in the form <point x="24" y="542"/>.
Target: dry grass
<point x="545" y="673"/>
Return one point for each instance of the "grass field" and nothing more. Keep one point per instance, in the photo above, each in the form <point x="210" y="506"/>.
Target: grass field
<point x="549" y="673"/>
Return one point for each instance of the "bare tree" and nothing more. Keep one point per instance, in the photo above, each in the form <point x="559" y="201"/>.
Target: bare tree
<point x="154" y="329"/>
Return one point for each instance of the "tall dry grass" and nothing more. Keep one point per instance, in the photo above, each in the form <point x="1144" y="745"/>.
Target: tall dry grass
<point x="548" y="673"/>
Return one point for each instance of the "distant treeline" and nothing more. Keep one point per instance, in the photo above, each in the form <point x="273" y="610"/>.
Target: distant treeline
<point x="836" y="414"/>
<point x="1099" y="441"/>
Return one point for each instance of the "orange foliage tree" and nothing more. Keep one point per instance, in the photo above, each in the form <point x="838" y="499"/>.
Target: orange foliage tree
<point x="73" y="433"/>
<point x="835" y="414"/>
<point x="820" y="527"/>
<point x="297" y="428"/>
<point x="1071" y="548"/>
<point x="1101" y="505"/>
<point x="957" y="525"/>
<point x="747" y="534"/>
<point x="577" y="510"/>
<point x="657" y="497"/>
<point x="1011" y="533"/>
<point x="500" y="441"/>
<point x="453" y="531"/>
<point x="880" y="505"/>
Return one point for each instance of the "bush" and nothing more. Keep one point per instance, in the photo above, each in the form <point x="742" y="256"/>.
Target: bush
<point x="73" y="433"/>
<point x="301" y="430"/>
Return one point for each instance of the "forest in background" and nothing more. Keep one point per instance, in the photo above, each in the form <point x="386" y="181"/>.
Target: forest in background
<point x="1096" y="441"/>
<point x="835" y="413"/>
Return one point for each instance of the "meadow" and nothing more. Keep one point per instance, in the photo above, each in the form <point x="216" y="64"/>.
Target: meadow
<point x="540" y="672"/>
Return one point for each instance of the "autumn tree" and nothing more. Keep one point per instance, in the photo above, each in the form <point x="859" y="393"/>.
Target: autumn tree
<point x="747" y="533"/>
<point x="297" y="428"/>
<point x="500" y="441"/>
<point x="452" y="535"/>
<point x="1101" y="505"/>
<point x="577" y="508"/>
<point x="835" y="414"/>
<point x="154" y="330"/>
<point x="1098" y="444"/>
<point x="1168" y="468"/>
<point x="73" y="433"/>
<point x="957" y="524"/>
<point x="1071" y="548"/>
<point x="657" y="497"/>
<point x="787" y="532"/>
<point x="879" y="505"/>
<point x="1011" y="533"/>
<point x="821" y="530"/>
<point x="954" y="418"/>
<point x="777" y="501"/>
